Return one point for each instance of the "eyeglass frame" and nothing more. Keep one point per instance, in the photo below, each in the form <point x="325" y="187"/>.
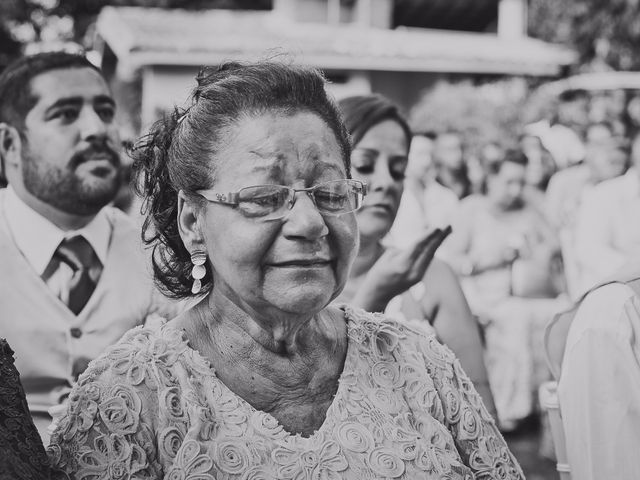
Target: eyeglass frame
<point x="231" y="198"/>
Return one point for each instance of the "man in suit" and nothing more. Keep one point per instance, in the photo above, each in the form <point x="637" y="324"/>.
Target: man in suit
<point x="74" y="274"/>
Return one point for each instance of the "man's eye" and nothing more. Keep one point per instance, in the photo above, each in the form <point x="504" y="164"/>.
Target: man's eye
<point x="66" y="114"/>
<point x="106" y="113"/>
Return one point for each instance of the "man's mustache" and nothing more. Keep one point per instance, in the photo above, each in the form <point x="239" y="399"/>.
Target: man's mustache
<point x="95" y="150"/>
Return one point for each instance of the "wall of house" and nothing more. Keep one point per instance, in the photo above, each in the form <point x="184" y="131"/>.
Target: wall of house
<point x="166" y="86"/>
<point x="162" y="88"/>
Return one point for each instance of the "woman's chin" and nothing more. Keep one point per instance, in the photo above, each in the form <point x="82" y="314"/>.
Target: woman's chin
<point x="301" y="299"/>
<point x="374" y="231"/>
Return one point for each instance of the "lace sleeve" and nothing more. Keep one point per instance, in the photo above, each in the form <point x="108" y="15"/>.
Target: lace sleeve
<point x="22" y="454"/>
<point x="477" y="438"/>
<point x="107" y="430"/>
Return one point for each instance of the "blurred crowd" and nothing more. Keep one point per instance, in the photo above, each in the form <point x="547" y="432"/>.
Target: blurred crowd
<point x="537" y="221"/>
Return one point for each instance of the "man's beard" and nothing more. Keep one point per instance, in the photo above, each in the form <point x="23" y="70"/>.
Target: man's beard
<point x="64" y="190"/>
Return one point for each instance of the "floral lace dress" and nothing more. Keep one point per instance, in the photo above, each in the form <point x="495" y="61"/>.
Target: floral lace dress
<point x="152" y="407"/>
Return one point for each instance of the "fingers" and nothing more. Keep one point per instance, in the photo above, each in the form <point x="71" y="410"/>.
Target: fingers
<point x="425" y="255"/>
<point x="426" y="238"/>
<point x="429" y="250"/>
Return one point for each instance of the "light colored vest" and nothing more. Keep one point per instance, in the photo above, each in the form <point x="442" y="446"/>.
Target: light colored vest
<point x="52" y="345"/>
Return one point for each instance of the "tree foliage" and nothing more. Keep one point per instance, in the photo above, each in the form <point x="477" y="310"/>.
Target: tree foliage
<point x="601" y="31"/>
<point x="24" y="22"/>
<point x="483" y="114"/>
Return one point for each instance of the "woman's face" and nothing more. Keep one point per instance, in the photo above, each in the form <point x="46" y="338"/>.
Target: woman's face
<point x="296" y="264"/>
<point x="505" y="188"/>
<point x="380" y="159"/>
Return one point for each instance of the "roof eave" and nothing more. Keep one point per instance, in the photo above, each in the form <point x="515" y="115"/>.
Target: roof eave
<point x="140" y="59"/>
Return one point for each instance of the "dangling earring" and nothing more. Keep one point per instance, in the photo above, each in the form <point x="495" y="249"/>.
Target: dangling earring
<point x="198" y="271"/>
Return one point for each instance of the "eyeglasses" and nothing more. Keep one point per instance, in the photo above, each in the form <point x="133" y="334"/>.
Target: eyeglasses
<point x="271" y="202"/>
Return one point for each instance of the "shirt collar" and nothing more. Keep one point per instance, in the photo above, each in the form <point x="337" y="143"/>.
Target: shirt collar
<point x="632" y="182"/>
<point x="37" y="238"/>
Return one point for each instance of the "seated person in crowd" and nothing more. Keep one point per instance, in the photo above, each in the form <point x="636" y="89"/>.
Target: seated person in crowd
<point x="405" y="282"/>
<point x="599" y="387"/>
<point x="503" y="248"/>
<point x="607" y="230"/>
<point x="451" y="168"/>
<point x="425" y="203"/>
<point x="606" y="157"/>
<point x="252" y="210"/>
<point x="540" y="168"/>
<point x="74" y="275"/>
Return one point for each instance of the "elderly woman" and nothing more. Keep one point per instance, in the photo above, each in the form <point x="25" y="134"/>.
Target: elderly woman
<point x="406" y="283"/>
<point x="251" y="208"/>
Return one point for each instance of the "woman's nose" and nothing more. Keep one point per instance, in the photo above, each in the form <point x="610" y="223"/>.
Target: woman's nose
<point x="304" y="220"/>
<point x="381" y="178"/>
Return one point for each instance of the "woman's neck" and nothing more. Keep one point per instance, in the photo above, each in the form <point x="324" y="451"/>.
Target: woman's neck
<point x="277" y="332"/>
<point x="368" y="254"/>
<point x="296" y="386"/>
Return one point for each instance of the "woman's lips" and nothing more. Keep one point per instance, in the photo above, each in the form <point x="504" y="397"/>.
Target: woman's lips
<point x="302" y="263"/>
<point x="379" y="208"/>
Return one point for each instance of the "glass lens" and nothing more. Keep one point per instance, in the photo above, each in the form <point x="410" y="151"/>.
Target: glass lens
<point x="263" y="200"/>
<point x="340" y="196"/>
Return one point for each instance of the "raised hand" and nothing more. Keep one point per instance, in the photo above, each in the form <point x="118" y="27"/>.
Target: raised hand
<point x="397" y="270"/>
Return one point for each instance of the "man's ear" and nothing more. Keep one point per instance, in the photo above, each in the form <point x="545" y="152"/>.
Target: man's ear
<point x="189" y="223"/>
<point x="10" y="145"/>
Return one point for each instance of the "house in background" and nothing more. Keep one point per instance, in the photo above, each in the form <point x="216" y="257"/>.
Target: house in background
<point x="152" y="55"/>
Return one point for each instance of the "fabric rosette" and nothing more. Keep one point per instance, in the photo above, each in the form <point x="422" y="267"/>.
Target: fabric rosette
<point x="190" y="464"/>
<point x="386" y="374"/>
<point x="384" y="461"/>
<point x="257" y="473"/>
<point x="232" y="455"/>
<point x="452" y="405"/>
<point x="112" y="457"/>
<point x="120" y="410"/>
<point x="326" y="462"/>
<point x="354" y="437"/>
<point x="267" y="425"/>
<point x="386" y="400"/>
<point x="169" y="441"/>
<point x="469" y="426"/>
<point x="172" y="404"/>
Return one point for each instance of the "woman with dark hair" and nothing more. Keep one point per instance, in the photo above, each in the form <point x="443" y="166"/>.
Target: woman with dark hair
<point x="502" y="247"/>
<point x="251" y="210"/>
<point x="405" y="282"/>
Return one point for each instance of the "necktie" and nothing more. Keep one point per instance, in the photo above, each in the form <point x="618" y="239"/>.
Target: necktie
<point x="79" y="255"/>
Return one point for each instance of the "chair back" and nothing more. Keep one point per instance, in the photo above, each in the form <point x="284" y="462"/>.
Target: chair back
<point x="557" y="330"/>
<point x="555" y="340"/>
<point x="548" y="395"/>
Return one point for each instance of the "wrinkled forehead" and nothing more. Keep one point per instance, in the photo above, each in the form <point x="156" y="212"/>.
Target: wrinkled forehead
<point x="300" y="144"/>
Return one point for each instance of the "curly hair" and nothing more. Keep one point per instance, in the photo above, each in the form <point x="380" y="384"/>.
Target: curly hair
<point x="179" y="153"/>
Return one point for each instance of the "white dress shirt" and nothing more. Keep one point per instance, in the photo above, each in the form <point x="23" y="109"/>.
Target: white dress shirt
<point x="434" y="209"/>
<point x="37" y="238"/>
<point x="599" y="388"/>
<point x="608" y="229"/>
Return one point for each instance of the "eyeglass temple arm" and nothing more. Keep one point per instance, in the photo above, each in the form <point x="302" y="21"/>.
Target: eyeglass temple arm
<point x="226" y="198"/>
